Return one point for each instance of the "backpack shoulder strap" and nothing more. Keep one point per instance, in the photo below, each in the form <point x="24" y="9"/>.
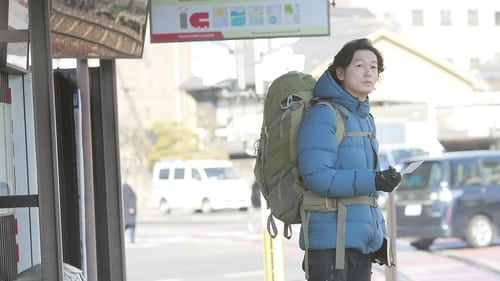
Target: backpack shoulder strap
<point x="339" y="117"/>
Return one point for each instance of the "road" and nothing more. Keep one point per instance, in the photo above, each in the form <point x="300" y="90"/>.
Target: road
<point x="217" y="246"/>
<point x="228" y="246"/>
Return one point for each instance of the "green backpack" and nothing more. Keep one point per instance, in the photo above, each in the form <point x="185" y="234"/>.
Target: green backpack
<point x="289" y="97"/>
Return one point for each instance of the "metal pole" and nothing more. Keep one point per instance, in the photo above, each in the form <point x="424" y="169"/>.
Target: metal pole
<point x="391" y="273"/>
<point x="90" y="268"/>
<point x="106" y="166"/>
<point x="46" y="141"/>
<point x="240" y="64"/>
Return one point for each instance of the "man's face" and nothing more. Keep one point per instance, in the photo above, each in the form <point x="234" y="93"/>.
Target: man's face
<point x="359" y="77"/>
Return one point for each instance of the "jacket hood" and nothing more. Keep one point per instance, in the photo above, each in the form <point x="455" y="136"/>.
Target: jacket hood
<point x="327" y="88"/>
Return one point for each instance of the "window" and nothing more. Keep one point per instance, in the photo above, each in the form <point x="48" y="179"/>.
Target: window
<point x="195" y="174"/>
<point x="222" y="173"/>
<point x="424" y="177"/>
<point x="179" y="174"/>
<point x="417" y="17"/>
<point x="491" y="172"/>
<point x="466" y="173"/>
<point x="436" y="176"/>
<point x="164" y="174"/>
<point x="472" y="18"/>
<point x="445" y="17"/>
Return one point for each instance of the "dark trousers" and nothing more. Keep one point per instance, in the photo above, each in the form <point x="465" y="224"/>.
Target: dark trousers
<point x="358" y="266"/>
<point x="130" y="230"/>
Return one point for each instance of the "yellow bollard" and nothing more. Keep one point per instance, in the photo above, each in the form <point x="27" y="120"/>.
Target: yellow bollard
<point x="274" y="257"/>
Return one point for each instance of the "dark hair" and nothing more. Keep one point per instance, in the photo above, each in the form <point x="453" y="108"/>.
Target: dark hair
<point x="344" y="57"/>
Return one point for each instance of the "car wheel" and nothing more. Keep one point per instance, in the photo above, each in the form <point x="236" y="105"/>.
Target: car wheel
<point x="206" y="207"/>
<point x="480" y="231"/>
<point x="164" y="207"/>
<point x="422" y="244"/>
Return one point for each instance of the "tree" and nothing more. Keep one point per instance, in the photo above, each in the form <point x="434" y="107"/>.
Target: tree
<point x="172" y="140"/>
<point x="134" y="148"/>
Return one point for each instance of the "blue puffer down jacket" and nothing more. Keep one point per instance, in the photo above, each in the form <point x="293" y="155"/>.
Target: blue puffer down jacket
<point x="344" y="171"/>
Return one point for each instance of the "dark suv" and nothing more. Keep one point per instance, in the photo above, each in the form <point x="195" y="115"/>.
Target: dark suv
<point x="456" y="194"/>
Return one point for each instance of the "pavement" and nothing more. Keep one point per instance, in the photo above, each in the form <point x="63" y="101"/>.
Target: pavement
<point x="448" y="259"/>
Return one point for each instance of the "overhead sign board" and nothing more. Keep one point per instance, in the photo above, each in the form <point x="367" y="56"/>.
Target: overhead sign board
<point x="200" y="20"/>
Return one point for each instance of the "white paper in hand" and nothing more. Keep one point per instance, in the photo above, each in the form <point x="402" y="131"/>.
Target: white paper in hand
<point x="411" y="167"/>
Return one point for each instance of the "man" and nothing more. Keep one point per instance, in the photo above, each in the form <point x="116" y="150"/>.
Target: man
<point x="341" y="172"/>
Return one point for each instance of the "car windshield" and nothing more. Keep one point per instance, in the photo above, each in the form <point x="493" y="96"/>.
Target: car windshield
<point x="429" y="174"/>
<point x="222" y="173"/>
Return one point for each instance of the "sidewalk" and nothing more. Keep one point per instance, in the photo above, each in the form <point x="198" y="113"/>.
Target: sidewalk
<point x="449" y="259"/>
<point x="149" y="215"/>
<point x="461" y="263"/>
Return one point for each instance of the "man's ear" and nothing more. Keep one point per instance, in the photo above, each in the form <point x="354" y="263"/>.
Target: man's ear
<point x="340" y="73"/>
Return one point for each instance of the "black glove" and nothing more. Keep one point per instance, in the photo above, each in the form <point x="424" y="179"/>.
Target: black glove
<point x="387" y="180"/>
<point x="384" y="255"/>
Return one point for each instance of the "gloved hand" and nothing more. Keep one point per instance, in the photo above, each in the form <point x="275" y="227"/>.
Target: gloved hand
<point x="387" y="180"/>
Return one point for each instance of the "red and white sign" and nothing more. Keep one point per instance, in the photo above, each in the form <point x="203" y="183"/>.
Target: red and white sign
<point x="199" y="20"/>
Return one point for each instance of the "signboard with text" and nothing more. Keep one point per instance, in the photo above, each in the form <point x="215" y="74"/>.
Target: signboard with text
<point x="200" y="20"/>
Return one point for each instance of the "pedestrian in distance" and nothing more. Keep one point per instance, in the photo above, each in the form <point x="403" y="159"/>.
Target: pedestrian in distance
<point x="255" y="198"/>
<point x="129" y="211"/>
<point x="343" y="246"/>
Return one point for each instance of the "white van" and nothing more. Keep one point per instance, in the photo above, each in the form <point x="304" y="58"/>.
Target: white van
<point x="200" y="185"/>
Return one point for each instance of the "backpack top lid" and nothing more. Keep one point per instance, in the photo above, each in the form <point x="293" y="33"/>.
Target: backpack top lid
<point x="286" y="90"/>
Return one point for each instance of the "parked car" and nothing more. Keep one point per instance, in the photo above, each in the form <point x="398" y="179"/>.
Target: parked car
<point x="200" y="185"/>
<point x="456" y="194"/>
